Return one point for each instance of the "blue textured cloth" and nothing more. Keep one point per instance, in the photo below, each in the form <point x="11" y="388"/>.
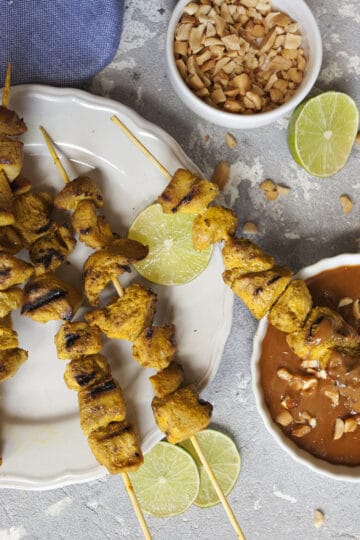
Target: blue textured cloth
<point x="58" y="42"/>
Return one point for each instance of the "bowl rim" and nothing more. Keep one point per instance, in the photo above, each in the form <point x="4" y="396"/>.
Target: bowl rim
<point x="237" y="120"/>
<point x="330" y="470"/>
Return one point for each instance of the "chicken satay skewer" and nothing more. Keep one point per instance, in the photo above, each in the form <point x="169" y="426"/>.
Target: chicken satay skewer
<point x="66" y="179"/>
<point x="193" y="439"/>
<point x="126" y="479"/>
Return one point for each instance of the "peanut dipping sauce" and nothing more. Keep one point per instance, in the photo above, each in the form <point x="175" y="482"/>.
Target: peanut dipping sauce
<point x="342" y="376"/>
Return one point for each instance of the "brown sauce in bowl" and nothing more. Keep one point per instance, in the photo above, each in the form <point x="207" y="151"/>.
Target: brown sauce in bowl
<point x="342" y="377"/>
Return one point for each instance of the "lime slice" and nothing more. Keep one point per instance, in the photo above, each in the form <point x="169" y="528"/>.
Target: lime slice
<point x="172" y="259"/>
<point x="322" y="131"/>
<point x="224" y="459"/>
<point x="168" y="481"/>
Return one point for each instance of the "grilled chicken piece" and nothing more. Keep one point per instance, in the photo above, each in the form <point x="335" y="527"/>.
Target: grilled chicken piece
<point x="51" y="250"/>
<point x="10" y="123"/>
<point x="214" y="225"/>
<point x="259" y="290"/>
<point x="117" y="447"/>
<point x="48" y="298"/>
<point x="168" y="380"/>
<point x="101" y="404"/>
<point x="292" y="308"/>
<point x="182" y="414"/>
<point x="127" y="316"/>
<point x="324" y="332"/>
<point x="246" y="256"/>
<point x="11" y="157"/>
<point x="10" y="240"/>
<point x="104" y="265"/>
<point x="92" y="229"/>
<point x="6" y="322"/>
<point x="86" y="371"/>
<point x="6" y="201"/>
<point x="8" y="338"/>
<point x="186" y="193"/>
<point x="32" y="215"/>
<point x="10" y="299"/>
<point x="13" y="271"/>
<point x="80" y="189"/>
<point x="10" y="361"/>
<point x="155" y="347"/>
<point x="20" y="185"/>
<point x="76" y="339"/>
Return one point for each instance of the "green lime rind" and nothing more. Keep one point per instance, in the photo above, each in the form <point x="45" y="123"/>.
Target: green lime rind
<point x="322" y="131"/>
<point x="224" y="459"/>
<point x="168" y="482"/>
<point x="172" y="259"/>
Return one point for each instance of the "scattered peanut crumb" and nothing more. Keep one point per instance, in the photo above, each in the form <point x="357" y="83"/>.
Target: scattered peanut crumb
<point x="319" y="518"/>
<point x="250" y="228"/>
<point x="206" y="138"/>
<point x="346" y="204"/>
<point x="221" y="174"/>
<point x="270" y="189"/>
<point x="230" y="140"/>
<point x="357" y="140"/>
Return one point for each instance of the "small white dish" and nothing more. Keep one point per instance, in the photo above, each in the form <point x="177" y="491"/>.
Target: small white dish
<point x="301" y="13"/>
<point x="337" y="472"/>
<point x="42" y="444"/>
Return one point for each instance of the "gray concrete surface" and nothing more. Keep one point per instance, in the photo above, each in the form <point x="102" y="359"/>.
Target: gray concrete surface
<point x="274" y="497"/>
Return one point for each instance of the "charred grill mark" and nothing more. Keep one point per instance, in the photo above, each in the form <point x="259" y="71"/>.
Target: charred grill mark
<point x="84" y="379"/>
<point x="43" y="300"/>
<point x="47" y="257"/>
<point x="5" y="272"/>
<point x="188" y="198"/>
<point x="85" y="231"/>
<point x="149" y="333"/>
<point x="70" y="339"/>
<point x="5" y="161"/>
<point x="258" y="291"/>
<point x="165" y="197"/>
<point x="273" y="280"/>
<point x="43" y="228"/>
<point x="107" y="386"/>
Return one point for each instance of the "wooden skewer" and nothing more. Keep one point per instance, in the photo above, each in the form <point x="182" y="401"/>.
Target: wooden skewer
<point x="53" y="153"/>
<point x="6" y="93"/>
<point x="193" y="439"/>
<point x="141" y="147"/>
<point x="127" y="482"/>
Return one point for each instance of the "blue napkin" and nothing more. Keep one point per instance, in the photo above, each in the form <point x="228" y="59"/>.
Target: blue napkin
<point x="58" y="42"/>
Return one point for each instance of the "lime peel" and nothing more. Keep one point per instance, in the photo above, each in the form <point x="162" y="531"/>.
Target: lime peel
<point x="322" y="131"/>
<point x="172" y="259"/>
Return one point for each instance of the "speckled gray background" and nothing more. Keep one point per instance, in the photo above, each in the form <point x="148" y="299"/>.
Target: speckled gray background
<point x="274" y="497"/>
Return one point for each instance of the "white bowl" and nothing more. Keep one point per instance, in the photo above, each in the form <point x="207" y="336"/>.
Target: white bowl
<point x="300" y="12"/>
<point x="337" y="472"/>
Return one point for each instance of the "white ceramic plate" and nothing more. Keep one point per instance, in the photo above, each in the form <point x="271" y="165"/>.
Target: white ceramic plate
<point x="42" y="443"/>
<point x="337" y="472"/>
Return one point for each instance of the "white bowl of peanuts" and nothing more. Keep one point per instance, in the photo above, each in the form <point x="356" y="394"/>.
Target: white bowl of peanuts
<point x="243" y="64"/>
<point x="327" y="434"/>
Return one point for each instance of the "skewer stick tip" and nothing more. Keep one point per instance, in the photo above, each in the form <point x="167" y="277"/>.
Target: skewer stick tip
<point x="6" y="93"/>
<point x="134" y="501"/>
<point x="54" y="155"/>
<point x="218" y="489"/>
<point x="140" y="146"/>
